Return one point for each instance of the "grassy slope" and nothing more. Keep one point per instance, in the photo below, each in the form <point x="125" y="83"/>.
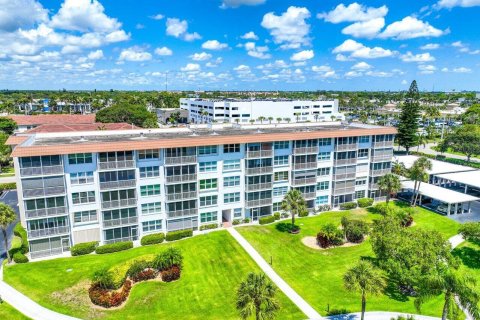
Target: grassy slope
<point x="317" y="275"/>
<point x="8" y="312"/>
<point x="214" y="265"/>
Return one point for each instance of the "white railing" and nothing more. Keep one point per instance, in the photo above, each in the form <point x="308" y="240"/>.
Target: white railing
<point x="45" y="212"/>
<point x="181" y="178"/>
<point x="345" y="147"/>
<point x="117" y="184"/>
<point x="120" y="222"/>
<point x="305" y="150"/>
<point x="48" y="232"/>
<point x="383" y="144"/>
<point x="259" y="154"/>
<point x="133" y="238"/>
<point x="182" y="213"/>
<point x="306" y="165"/>
<point x="45" y="253"/>
<point x="344" y="176"/>
<point x="49" y="191"/>
<point x="119" y="203"/>
<point x="116" y="164"/>
<point x="340" y="191"/>
<point x="180" y="160"/>
<point x="41" y="171"/>
<point x="259" y="186"/>
<point x="380" y="172"/>
<point x="182" y="196"/>
<point x="258" y="203"/>
<point x="309" y="195"/>
<point x="343" y="162"/>
<point x="261" y="170"/>
<point x="304" y="181"/>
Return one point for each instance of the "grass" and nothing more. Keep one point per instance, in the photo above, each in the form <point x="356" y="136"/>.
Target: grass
<point x="16" y="242"/>
<point x="7" y="172"/>
<point x="214" y="265"/>
<point x="318" y="275"/>
<point x="8" y="312"/>
<point x="450" y="151"/>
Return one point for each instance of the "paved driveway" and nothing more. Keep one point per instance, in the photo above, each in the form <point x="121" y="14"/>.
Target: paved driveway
<point x="10" y="198"/>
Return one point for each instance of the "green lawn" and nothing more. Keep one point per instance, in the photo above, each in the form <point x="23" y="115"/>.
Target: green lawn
<point x="7" y="172"/>
<point x="317" y="275"/>
<point x="214" y="265"/>
<point x="8" y="312"/>
<point x="469" y="254"/>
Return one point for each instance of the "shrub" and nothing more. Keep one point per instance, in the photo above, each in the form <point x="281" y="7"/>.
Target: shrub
<point x="167" y="259"/>
<point x="286" y="227"/>
<point x="246" y="220"/>
<point x="83" y="248"/>
<point x="103" y="278"/>
<point x="106" y="298"/>
<point x="266" y="220"/>
<point x="236" y="222"/>
<point x="365" y="202"/>
<point x="356" y="231"/>
<point x="348" y="205"/>
<point x="277" y="215"/>
<point x="136" y="267"/>
<point x="285" y="215"/>
<point x="405" y="218"/>
<point x="114" y="247"/>
<point x="20" y="231"/>
<point x="8" y="186"/>
<point x="152" y="239"/>
<point x="177" y="235"/>
<point x="208" y="226"/>
<point x="171" y="274"/>
<point x="324" y="207"/>
<point x="382" y="208"/>
<point x="336" y="312"/>
<point x="303" y="213"/>
<point x="145" y="275"/>
<point x="19" y="257"/>
<point x="329" y="235"/>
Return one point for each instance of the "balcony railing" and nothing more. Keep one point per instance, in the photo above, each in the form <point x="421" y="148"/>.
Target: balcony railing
<point x="119" y="203"/>
<point x="344" y="162"/>
<point x="116" y="164"/>
<point x="180" y="160"/>
<point x="346" y="147"/>
<point x="382" y="157"/>
<point x="41" y="171"/>
<point x="258" y="203"/>
<point x="117" y="184"/>
<point x="306" y="165"/>
<point x="261" y="170"/>
<point x="133" y="238"/>
<point x="304" y="181"/>
<point x="45" y="212"/>
<point x="49" y="191"/>
<point x="45" y="253"/>
<point x="309" y="195"/>
<point x="344" y="176"/>
<point x="181" y="178"/>
<point x="259" y="186"/>
<point x="373" y="186"/>
<point x="120" y="222"/>
<point x="380" y="172"/>
<point x="182" y="213"/>
<point x="182" y="196"/>
<point x="259" y="154"/>
<point x="340" y="191"/>
<point x="383" y="144"/>
<point x="305" y="150"/>
<point x="48" y="232"/>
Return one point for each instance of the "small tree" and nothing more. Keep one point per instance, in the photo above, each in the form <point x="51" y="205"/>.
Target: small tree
<point x="364" y="278"/>
<point x="408" y="125"/>
<point x="294" y="203"/>
<point x="287" y="120"/>
<point x="418" y="173"/>
<point x="270" y="119"/>
<point x="261" y="119"/>
<point x="279" y="120"/>
<point x="251" y="121"/>
<point x="7" y="217"/>
<point x="256" y="295"/>
<point x="465" y="139"/>
<point x="389" y="183"/>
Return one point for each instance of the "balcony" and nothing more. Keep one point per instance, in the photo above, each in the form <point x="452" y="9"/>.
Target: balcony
<point x="383" y="144"/>
<point x="305" y="150"/>
<point x="182" y="196"/>
<point x="259" y="186"/>
<point x="373" y="186"/>
<point x="182" y="213"/>
<point x="119" y="203"/>
<point x="260" y="170"/>
<point x="180" y="160"/>
<point x="306" y="165"/>
<point x="40" y="233"/>
<point x="309" y="195"/>
<point x="380" y="172"/>
<point x="259" y="154"/>
<point x="258" y="203"/>
<point x="183" y="178"/>
<point x="133" y="238"/>
<point x="116" y="165"/>
<point x="341" y="191"/>
<point x="120" y="222"/>
<point x="44" y="192"/>
<point x="344" y="176"/>
<point x="346" y="147"/>
<point x="41" y="171"/>
<point x="304" y="181"/>
<point x="344" y="162"/>
<point x="382" y="157"/>
<point x="45" y="212"/>
<point x="117" y="184"/>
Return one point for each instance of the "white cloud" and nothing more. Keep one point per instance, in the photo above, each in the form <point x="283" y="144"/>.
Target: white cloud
<point x="290" y="29"/>
<point x="426" y="68"/>
<point x="324" y="71"/>
<point x="353" y="13"/>
<point x="250" y="36"/>
<point x="191" y="67"/>
<point x="462" y="70"/>
<point x="242" y="68"/>
<point x="214" y="64"/>
<point x="457" y="3"/>
<point x="158" y="17"/>
<point x="365" y="29"/>
<point x="200" y="56"/>
<point x="214" y="45"/>
<point x="15" y="14"/>
<point x="353" y="74"/>
<point x="420" y="57"/>
<point x="134" y="54"/>
<point x="302" y="55"/>
<point x="238" y="3"/>
<point x="163" y="51"/>
<point x="95" y="55"/>
<point x="117" y="36"/>
<point x="361" y="66"/>
<point x="178" y="28"/>
<point x="139" y="26"/>
<point x="255" y="51"/>
<point x="341" y="57"/>
<point x="430" y="46"/>
<point x="358" y="50"/>
<point x="409" y="28"/>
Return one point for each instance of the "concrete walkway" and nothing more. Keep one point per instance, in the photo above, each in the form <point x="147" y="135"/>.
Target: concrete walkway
<point x="379" y="315"/>
<point x="289" y="292"/>
<point x="428" y="149"/>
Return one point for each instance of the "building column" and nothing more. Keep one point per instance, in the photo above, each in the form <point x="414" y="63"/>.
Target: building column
<point x="448" y="209"/>
<point x="466" y="188"/>
<point x="456" y="208"/>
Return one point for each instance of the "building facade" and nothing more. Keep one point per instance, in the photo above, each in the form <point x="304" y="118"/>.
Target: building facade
<point x="111" y="186"/>
<point x="243" y="111"/>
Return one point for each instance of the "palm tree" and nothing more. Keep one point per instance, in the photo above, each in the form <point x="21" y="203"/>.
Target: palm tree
<point x="251" y="121"/>
<point x="7" y="217"/>
<point x="279" y="120"/>
<point x="261" y="119"/>
<point x="287" y="120"/>
<point x="389" y="183"/>
<point x="421" y="139"/>
<point x="270" y="119"/>
<point x="454" y="287"/>
<point x="256" y="295"/>
<point x="294" y="203"/>
<point x="364" y="278"/>
<point x="418" y="173"/>
<point x="398" y="168"/>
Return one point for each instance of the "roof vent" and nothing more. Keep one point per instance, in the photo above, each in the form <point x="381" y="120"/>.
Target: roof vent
<point x="214" y="133"/>
<point x="259" y="130"/>
<point x="142" y="135"/>
<point x="194" y="134"/>
<point x="82" y="138"/>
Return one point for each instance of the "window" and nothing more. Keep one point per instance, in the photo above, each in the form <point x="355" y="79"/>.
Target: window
<point x="208" y="201"/>
<point x="324" y="142"/>
<point x="323" y="172"/>
<point x="83" y="197"/>
<point x="150" y="226"/>
<point x="151" y="208"/>
<point x="77" y="178"/>
<point x="277" y="206"/>
<point x="231" y="165"/>
<point x="207" y="184"/>
<point x="149" y="172"/>
<point x="210" y="166"/>
<point x="361" y="182"/>
<point x="85" y="216"/>
<point x="321" y="200"/>
<point x="364" y="139"/>
<point x="150" y="190"/>
<point x="231" y="148"/>
<point x="277" y="145"/>
<point x="237" y="212"/>
<point x="148" y="154"/>
<point x="207" y="150"/>
<point x="208" y="216"/>
<point x="359" y="194"/>
<point x="362" y="153"/>
<point x="323" y="185"/>
<point x="79" y="158"/>
<point x="231" y="181"/>
<point x="231" y="197"/>
<point x="280" y="191"/>
<point x="324" y="156"/>
<point x="42" y="203"/>
<point x="280" y="160"/>
<point x="280" y="176"/>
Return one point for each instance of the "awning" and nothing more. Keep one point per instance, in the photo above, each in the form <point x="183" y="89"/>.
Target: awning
<point x="439" y="193"/>
<point x="471" y="178"/>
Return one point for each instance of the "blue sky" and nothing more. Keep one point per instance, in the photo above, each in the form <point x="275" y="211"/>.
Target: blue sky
<point x="239" y="44"/>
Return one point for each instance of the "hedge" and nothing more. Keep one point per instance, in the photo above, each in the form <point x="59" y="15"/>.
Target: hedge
<point x="152" y="239"/>
<point x="19" y="257"/>
<point x="20" y="232"/>
<point x="208" y="226"/>
<point x="81" y="249"/>
<point x="8" y="186"/>
<point x="277" y="215"/>
<point x="365" y="202"/>
<point x="114" y="247"/>
<point x="444" y="158"/>
<point x="266" y="220"/>
<point x="177" y="235"/>
<point x="348" y="205"/>
<point x="236" y="222"/>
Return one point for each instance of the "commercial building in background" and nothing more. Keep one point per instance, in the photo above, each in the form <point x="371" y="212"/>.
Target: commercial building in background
<point x="242" y="111"/>
<point x="111" y="186"/>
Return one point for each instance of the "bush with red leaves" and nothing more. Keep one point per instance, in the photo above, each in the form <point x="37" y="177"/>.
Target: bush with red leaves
<point x="171" y="274"/>
<point x="109" y="298"/>
<point x="144" y="275"/>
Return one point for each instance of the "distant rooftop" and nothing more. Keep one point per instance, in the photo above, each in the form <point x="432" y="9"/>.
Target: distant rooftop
<point x="27" y="120"/>
<point x="74" y="127"/>
<point x="252" y="99"/>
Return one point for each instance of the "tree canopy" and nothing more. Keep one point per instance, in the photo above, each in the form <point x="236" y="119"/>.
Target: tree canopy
<point x="408" y="125"/>
<point x="129" y="113"/>
<point x="465" y="139"/>
<point x="7" y="125"/>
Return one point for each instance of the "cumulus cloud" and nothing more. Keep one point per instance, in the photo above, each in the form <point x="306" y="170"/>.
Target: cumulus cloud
<point x="214" y="64"/>
<point x="290" y="30"/>
<point x="260" y="52"/>
<point x="324" y="71"/>
<point x="158" y="17"/>
<point x="353" y="13"/>
<point x="237" y="3"/>
<point x="462" y="70"/>
<point x="163" y="51"/>
<point x="21" y="14"/>
<point x="457" y="3"/>
<point x="365" y="29"/>
<point x="95" y="55"/>
<point x="191" y="67"/>
<point x="430" y="46"/>
<point x="358" y="50"/>
<point x="409" y="28"/>
<point x="250" y="36"/>
<point x="420" y="57"/>
<point x="134" y="54"/>
<point x="178" y="28"/>
<point x="361" y="66"/>
<point x="426" y="68"/>
<point x="200" y="56"/>
<point x="302" y="55"/>
<point x="214" y="45"/>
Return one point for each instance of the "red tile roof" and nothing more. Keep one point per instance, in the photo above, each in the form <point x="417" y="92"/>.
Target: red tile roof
<point x="15" y="140"/>
<point x="45" y="128"/>
<point x="25" y="120"/>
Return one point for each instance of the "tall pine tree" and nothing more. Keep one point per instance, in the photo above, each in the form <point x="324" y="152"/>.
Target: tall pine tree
<point x="408" y="126"/>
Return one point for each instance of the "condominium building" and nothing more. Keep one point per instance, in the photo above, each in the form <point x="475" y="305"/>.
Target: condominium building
<point x="111" y="186"/>
<point x="243" y="111"/>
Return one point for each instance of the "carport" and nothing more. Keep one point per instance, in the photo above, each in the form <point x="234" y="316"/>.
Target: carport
<point x="467" y="182"/>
